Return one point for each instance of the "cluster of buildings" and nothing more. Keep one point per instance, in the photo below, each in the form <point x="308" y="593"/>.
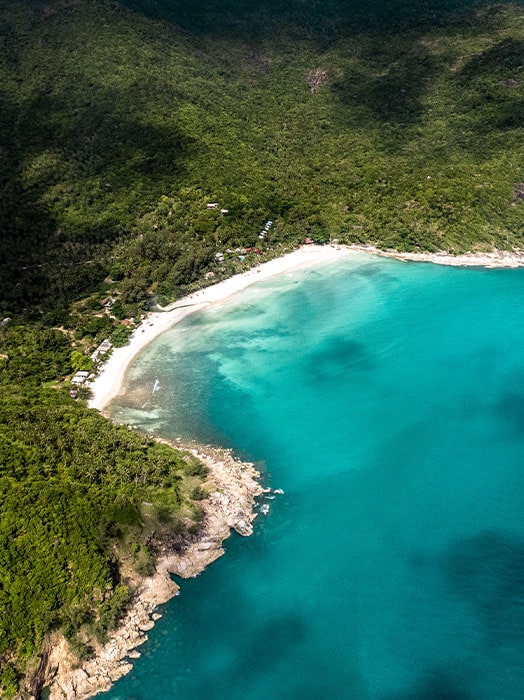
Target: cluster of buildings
<point x="102" y="349"/>
<point x="214" y="205"/>
<point x="265" y="231"/>
<point x="82" y="376"/>
<point x="241" y="252"/>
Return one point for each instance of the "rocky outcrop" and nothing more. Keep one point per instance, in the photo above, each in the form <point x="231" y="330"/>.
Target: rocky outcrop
<point x="233" y="486"/>
<point x="493" y="259"/>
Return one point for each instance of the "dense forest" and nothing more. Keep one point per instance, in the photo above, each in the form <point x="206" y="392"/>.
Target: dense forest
<point x="144" y="144"/>
<point x="82" y="505"/>
<point x="396" y="123"/>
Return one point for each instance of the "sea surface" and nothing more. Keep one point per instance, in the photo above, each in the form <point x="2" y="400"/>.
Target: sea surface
<point x="387" y="400"/>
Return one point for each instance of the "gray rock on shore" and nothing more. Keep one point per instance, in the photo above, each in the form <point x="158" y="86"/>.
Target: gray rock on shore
<point x="233" y="485"/>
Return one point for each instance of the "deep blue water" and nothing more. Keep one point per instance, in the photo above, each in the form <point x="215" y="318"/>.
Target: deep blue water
<point x="387" y="400"/>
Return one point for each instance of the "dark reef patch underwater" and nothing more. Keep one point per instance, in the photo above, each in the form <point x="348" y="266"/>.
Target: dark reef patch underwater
<point x="383" y="398"/>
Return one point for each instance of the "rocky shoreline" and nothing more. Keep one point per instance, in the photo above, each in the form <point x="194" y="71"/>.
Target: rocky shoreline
<point x="491" y="259"/>
<point x="233" y="486"/>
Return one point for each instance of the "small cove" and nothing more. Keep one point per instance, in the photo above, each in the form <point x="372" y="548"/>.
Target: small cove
<point x="387" y="400"/>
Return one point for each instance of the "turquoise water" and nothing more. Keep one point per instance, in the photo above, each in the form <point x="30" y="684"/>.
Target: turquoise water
<point x="387" y="400"/>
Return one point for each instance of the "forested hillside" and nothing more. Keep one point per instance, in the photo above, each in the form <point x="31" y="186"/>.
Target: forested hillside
<point x="141" y="138"/>
<point x="82" y="503"/>
<point x="396" y="123"/>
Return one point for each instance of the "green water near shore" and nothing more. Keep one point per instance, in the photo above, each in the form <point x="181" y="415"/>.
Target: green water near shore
<point x="387" y="400"/>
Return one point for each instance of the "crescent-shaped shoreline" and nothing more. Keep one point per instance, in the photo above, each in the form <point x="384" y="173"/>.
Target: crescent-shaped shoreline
<point x="110" y="379"/>
<point x="234" y="485"/>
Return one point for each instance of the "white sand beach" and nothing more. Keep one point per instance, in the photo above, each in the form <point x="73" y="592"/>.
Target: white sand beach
<point x="107" y="384"/>
<point x="233" y="485"/>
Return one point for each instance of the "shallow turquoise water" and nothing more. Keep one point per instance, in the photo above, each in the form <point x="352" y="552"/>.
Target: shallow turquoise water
<point x="387" y="400"/>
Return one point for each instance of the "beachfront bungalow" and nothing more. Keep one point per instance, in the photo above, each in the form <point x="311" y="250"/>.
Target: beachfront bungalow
<point x="80" y="378"/>
<point x="104" y="347"/>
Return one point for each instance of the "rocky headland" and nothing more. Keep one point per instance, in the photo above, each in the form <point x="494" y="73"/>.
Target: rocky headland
<point x="233" y="486"/>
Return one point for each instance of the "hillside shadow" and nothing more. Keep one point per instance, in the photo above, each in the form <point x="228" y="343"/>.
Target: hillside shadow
<point x="390" y="91"/>
<point x="490" y="85"/>
<point x="323" y="21"/>
<point x="104" y="151"/>
<point x="104" y="136"/>
<point x="389" y="84"/>
<point x="26" y="225"/>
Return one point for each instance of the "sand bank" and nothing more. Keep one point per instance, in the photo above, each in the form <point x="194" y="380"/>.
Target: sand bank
<point x="107" y="384"/>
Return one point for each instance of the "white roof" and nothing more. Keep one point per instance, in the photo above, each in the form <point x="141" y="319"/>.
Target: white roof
<point x="80" y="377"/>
